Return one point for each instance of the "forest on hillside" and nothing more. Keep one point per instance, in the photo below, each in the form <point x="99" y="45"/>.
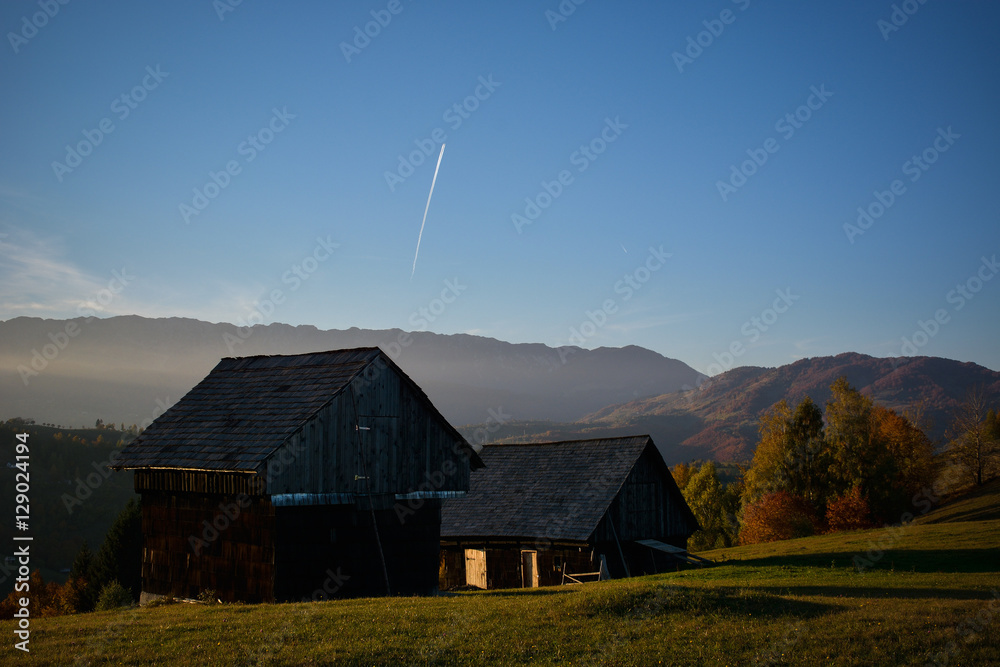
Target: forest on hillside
<point x="74" y="497"/>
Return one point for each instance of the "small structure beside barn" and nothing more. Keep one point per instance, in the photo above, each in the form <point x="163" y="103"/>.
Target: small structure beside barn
<point x="302" y="476"/>
<point x="552" y="513"/>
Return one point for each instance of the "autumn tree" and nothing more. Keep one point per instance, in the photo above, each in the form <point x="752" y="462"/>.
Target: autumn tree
<point x="682" y="473"/>
<point x="778" y="516"/>
<point x="993" y="427"/>
<point x="80" y="575"/>
<point x="848" y="512"/>
<point x="119" y="558"/>
<point x="911" y="452"/>
<point x="848" y="421"/>
<point x="43" y="600"/>
<point x="712" y="507"/>
<point x="765" y="470"/>
<point x="859" y="458"/>
<point x="857" y="444"/>
<point x="792" y="455"/>
<point x="975" y="433"/>
<point x="807" y="454"/>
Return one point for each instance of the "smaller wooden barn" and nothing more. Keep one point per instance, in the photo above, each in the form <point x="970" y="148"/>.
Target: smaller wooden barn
<point x="298" y="476"/>
<point x="551" y="513"/>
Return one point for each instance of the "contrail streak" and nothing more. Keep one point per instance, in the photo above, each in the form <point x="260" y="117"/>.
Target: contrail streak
<point x="426" y="208"/>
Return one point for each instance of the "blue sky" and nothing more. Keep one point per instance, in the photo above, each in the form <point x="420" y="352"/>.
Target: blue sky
<point x="640" y="136"/>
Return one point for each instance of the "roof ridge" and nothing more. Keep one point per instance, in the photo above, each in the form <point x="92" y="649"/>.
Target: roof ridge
<point x="366" y="348"/>
<point x="238" y="415"/>
<point x="567" y="442"/>
<point x="291" y="431"/>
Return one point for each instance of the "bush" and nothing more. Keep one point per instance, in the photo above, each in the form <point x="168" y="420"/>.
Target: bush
<point x="778" y="516"/>
<point x="113" y="596"/>
<point x="120" y="556"/>
<point x="849" y="512"/>
<point x="208" y="596"/>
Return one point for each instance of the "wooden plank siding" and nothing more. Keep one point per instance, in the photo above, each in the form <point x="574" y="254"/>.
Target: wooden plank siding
<point x="642" y="509"/>
<point x="246" y="549"/>
<point x="404" y="447"/>
<point x="198" y="481"/>
<point x="191" y="545"/>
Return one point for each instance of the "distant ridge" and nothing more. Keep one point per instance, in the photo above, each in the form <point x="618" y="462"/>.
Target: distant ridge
<point x="719" y="419"/>
<point x="131" y="368"/>
<point x="122" y="368"/>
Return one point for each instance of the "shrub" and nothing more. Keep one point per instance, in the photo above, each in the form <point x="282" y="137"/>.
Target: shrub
<point x="113" y="596"/>
<point x="849" y="512"/>
<point x="778" y="516"/>
<point x="120" y="556"/>
<point x="208" y="596"/>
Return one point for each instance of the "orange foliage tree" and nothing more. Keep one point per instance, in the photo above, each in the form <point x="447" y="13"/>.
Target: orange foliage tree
<point x="848" y="512"/>
<point x="45" y="599"/>
<point x="778" y="516"/>
<point x="911" y="451"/>
<point x="682" y="473"/>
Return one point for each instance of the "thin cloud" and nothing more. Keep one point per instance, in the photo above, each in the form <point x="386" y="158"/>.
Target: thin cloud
<point x="36" y="279"/>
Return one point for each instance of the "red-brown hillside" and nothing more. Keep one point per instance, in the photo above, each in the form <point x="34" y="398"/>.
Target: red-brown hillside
<point x="719" y="419"/>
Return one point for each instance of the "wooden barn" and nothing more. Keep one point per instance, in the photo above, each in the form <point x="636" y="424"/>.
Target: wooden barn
<point x="304" y="476"/>
<point x="552" y="513"/>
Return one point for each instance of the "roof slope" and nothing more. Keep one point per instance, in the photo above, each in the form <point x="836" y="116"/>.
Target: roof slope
<point x="558" y="490"/>
<point x="247" y="407"/>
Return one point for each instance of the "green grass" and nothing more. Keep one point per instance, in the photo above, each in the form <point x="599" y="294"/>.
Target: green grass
<point x="980" y="504"/>
<point x="933" y="591"/>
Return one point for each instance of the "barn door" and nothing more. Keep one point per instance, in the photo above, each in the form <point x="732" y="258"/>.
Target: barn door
<point x="475" y="567"/>
<point x="529" y="569"/>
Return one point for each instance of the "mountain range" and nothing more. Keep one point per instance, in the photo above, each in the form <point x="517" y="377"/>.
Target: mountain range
<point x="719" y="419"/>
<point x="129" y="369"/>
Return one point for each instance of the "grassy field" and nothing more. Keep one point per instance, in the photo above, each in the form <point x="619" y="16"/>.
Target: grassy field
<point x="930" y="594"/>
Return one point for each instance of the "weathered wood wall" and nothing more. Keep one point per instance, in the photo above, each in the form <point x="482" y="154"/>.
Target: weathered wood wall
<point x="644" y="509"/>
<point x="405" y="449"/>
<point x="262" y="553"/>
<point x="195" y="542"/>
<point x="451" y="568"/>
<point x="197" y="481"/>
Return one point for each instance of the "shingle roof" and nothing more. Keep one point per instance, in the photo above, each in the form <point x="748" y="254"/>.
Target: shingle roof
<point x="246" y="408"/>
<point x="558" y="490"/>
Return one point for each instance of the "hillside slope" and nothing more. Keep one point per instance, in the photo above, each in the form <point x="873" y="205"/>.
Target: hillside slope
<point x="73" y="496"/>
<point x="931" y="595"/>
<point x="719" y="418"/>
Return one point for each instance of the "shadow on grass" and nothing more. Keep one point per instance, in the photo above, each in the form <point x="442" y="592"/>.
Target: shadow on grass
<point x="979" y="504"/>
<point x="696" y="601"/>
<point x="875" y="593"/>
<point x="906" y="560"/>
<point x="973" y="514"/>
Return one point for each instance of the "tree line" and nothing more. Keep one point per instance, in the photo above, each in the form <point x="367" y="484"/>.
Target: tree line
<point x="855" y="465"/>
<point x="110" y="578"/>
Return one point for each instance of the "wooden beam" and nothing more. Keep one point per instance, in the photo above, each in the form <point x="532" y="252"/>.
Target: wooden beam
<point x="620" y="552"/>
